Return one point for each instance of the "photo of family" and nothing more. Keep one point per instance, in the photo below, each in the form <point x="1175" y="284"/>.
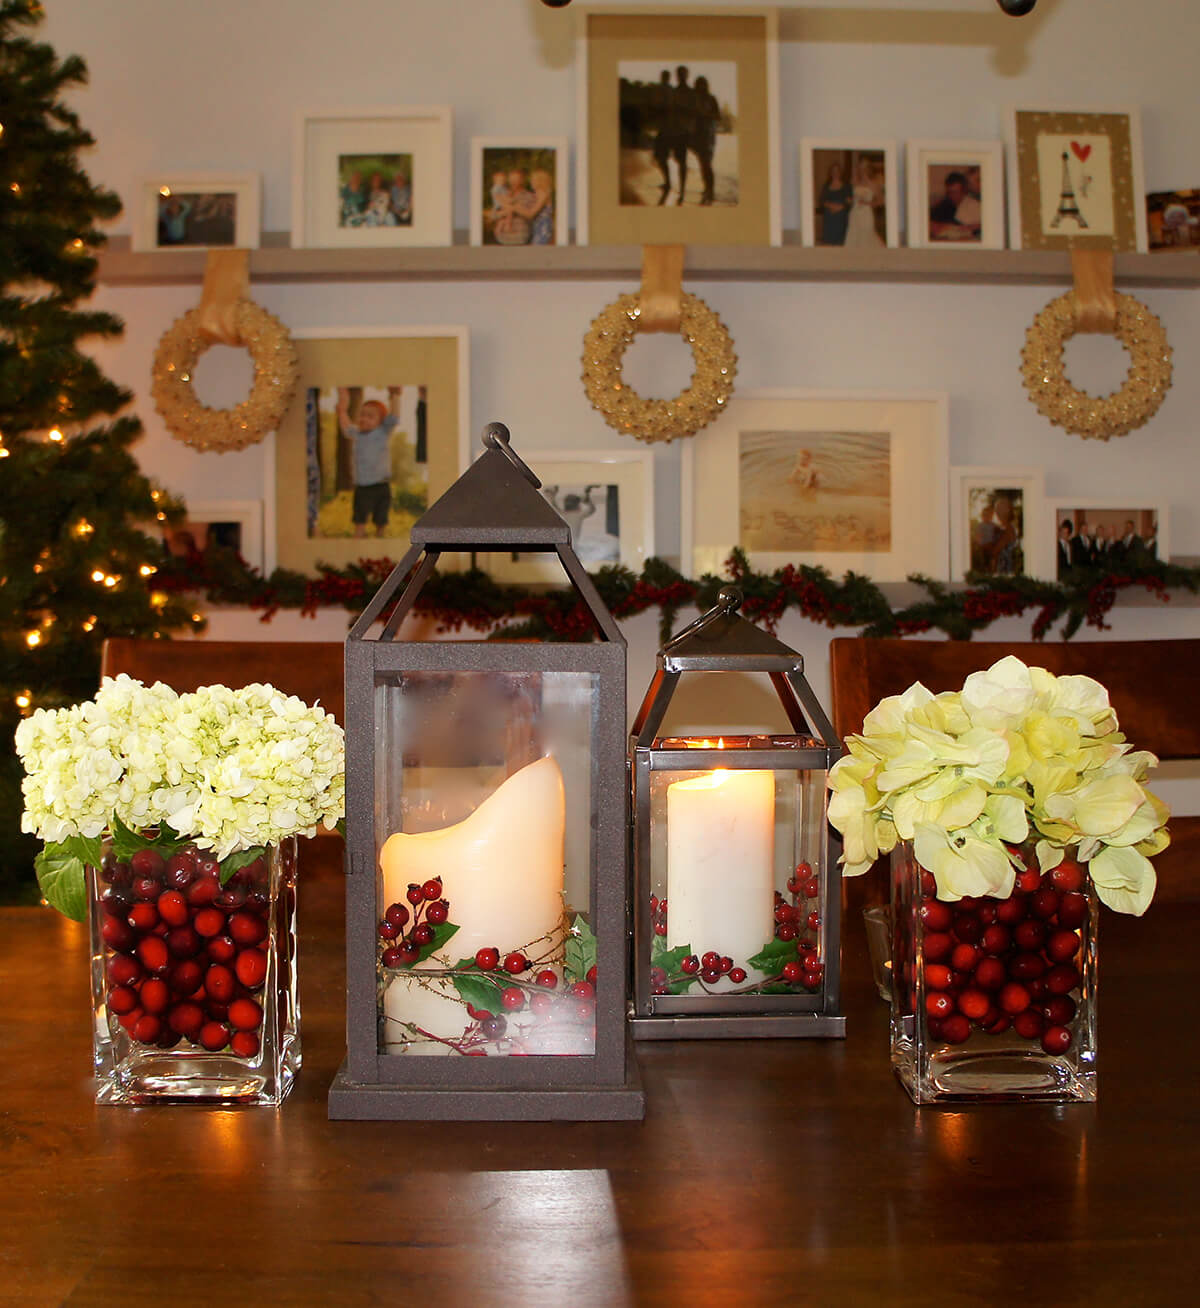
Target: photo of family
<point x="955" y="193"/>
<point x="996" y="525"/>
<point x="1173" y="220"/>
<point x="518" y="193"/>
<point x="849" y="197"/>
<point x="188" y="539"/>
<point x="367" y="460"/>
<point x="1111" y="539"/>
<point x="678" y="132"/>
<point x="811" y="492"/>
<point x="196" y="217"/>
<point x="375" y="190"/>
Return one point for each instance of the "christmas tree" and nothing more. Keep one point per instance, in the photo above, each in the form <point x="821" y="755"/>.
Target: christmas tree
<point x="75" y="566"/>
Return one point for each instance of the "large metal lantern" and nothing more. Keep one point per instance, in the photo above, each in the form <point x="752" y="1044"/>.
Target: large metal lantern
<point x="736" y="894"/>
<point x="486" y="815"/>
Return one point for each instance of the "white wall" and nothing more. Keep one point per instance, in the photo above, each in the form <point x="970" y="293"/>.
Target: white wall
<point x="178" y="87"/>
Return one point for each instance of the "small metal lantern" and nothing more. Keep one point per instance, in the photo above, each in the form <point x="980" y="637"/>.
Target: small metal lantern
<point x="486" y="844"/>
<point x="737" y="901"/>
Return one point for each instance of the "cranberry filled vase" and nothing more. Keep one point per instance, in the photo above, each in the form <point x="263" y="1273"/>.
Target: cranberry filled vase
<point x="194" y="981"/>
<point x="994" y="998"/>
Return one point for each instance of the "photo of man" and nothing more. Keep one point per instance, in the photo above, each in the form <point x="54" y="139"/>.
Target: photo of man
<point x="955" y="210"/>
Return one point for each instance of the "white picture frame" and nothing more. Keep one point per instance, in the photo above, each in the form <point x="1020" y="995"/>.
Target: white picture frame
<point x="858" y="436"/>
<point x="236" y="524"/>
<point x="1106" y="513"/>
<point x="933" y="164"/>
<point x="414" y="142"/>
<point x="1031" y="196"/>
<point x="814" y="161"/>
<point x="997" y="523"/>
<point x="626" y="480"/>
<point x="758" y="221"/>
<point x="212" y="211"/>
<point x="527" y="152"/>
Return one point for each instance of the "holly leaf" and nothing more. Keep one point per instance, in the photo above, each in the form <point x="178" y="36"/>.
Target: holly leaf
<point x="682" y="983"/>
<point x="441" y="933"/>
<point x="240" y="858"/>
<point x="771" y="957"/>
<point x="60" y="876"/>
<point x="478" y="991"/>
<point x="580" y="950"/>
<point x="669" y="959"/>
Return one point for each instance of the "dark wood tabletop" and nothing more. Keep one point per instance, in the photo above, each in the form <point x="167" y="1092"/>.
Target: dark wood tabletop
<point x="766" y="1172"/>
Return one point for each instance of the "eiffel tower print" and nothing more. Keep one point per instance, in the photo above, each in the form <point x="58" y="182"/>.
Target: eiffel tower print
<point x="1067" y="205"/>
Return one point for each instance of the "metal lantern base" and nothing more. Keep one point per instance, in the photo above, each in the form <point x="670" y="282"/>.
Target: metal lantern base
<point x="706" y="1026"/>
<point x="358" y="1101"/>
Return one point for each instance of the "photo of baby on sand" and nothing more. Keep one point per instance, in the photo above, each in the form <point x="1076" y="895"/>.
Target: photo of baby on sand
<point x="810" y="492"/>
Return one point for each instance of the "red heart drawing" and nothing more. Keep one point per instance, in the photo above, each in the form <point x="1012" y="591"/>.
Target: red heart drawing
<point x="1081" y="151"/>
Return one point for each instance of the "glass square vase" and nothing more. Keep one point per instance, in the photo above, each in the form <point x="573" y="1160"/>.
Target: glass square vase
<point x="993" y="999"/>
<point x="194" y="983"/>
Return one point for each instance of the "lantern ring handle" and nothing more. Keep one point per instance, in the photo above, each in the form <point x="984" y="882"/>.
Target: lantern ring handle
<point x="729" y="600"/>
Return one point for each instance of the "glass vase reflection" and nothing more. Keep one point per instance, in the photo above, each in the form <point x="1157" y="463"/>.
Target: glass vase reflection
<point x="194" y="981"/>
<point x="994" y="998"/>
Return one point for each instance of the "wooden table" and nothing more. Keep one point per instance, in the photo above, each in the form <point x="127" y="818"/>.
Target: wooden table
<point x="766" y="1172"/>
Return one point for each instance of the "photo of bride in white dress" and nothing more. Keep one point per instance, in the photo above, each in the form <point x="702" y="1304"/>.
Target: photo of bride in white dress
<point x="861" y="229"/>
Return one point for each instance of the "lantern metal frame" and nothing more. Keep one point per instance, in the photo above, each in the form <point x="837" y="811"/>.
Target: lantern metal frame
<point x="494" y="505"/>
<point x="723" y="641"/>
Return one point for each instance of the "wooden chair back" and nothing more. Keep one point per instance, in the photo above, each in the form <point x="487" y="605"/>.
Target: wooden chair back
<point x="1154" y="685"/>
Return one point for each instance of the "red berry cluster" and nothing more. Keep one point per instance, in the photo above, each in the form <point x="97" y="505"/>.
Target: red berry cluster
<point x="186" y="957"/>
<point x="540" y="996"/>
<point x="793" y="919"/>
<point x="404" y="931"/>
<point x="998" y="964"/>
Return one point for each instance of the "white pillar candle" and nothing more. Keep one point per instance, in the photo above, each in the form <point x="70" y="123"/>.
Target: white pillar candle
<point x="720" y="861"/>
<point x="502" y="875"/>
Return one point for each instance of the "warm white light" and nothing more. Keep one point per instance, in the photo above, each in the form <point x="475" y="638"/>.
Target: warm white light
<point x="97" y="575"/>
<point x="164" y="191"/>
<point x="55" y="434"/>
<point x="158" y="598"/>
<point x="3" y="451"/>
<point x="147" y="570"/>
<point x="83" y="528"/>
<point x="110" y="582"/>
<point x="24" y="699"/>
<point x="90" y="623"/>
<point x="33" y="639"/>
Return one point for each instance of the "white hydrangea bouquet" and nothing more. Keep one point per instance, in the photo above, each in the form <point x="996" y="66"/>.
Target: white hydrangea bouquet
<point x="228" y="771"/>
<point x="1017" y="757"/>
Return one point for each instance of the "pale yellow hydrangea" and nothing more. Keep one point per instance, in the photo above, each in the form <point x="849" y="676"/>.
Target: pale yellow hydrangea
<point x="1016" y="754"/>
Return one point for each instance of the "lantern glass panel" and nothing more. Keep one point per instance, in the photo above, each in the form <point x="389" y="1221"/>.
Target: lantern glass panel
<point x="484" y="828"/>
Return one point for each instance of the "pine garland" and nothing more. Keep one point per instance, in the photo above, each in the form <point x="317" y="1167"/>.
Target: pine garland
<point x="474" y="600"/>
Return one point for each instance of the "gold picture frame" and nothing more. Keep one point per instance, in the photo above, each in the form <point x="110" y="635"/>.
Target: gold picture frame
<point x="707" y="79"/>
<point x="1076" y="179"/>
<point x="419" y="376"/>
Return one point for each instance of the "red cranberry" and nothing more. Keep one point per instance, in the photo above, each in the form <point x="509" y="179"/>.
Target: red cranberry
<point x="1044" y="902"/>
<point x="414" y="894"/>
<point x="1058" y="1010"/>
<point x="786" y="931"/>
<point x="794" y="885"/>
<point x="737" y="975"/>
<point x="938" y="1004"/>
<point x="202" y="891"/>
<point x="936" y="946"/>
<point x="785" y="913"/>
<point x="409" y="953"/>
<point x="1014" y="998"/>
<point x="220" y="949"/>
<point x="964" y="957"/>
<point x="1026" y="967"/>
<point x="792" y="971"/>
<point x="1056" y="1040"/>
<point x="251" y="968"/>
<point x="547" y="979"/>
<point x="172" y="908"/>
<point x="1029" y="1024"/>
<point x="186" y="1018"/>
<point x="928" y="884"/>
<point x="1062" y="946"/>
<point x="147" y="1029"/>
<point x="990" y="974"/>
<point x="437" y="912"/>
<point x="207" y="866"/>
<point x="813" y="921"/>
<point x="540" y="1003"/>
<point x="711" y="959"/>
<point x="955" y="1029"/>
<point x="386" y="931"/>
<point x="245" y="1014"/>
<point x="1011" y="911"/>
<point x="493" y="1027"/>
<point x="1072" y="910"/>
<point x="513" y="998"/>
<point x="812" y="978"/>
<point x="432" y="890"/>
<point x="487" y="959"/>
<point x="244" y="1043"/>
<point x="153" y="953"/>
<point x="181" y="870"/>
<point x="146" y="888"/>
<point x="130" y="1020"/>
<point x="725" y="966"/>
<point x="214" y="1036"/>
<point x="590" y="975"/>
<point x="209" y="922"/>
<point x="1029" y="880"/>
<point x="393" y="956"/>
<point x="116" y="902"/>
<point x="182" y="942"/>
<point x="122" y="969"/>
<point x="582" y="989"/>
<point x="998" y="1024"/>
<point x="247" y="928"/>
<point x="185" y="977"/>
<point x="986" y="912"/>
<point x="967" y="927"/>
<point x="143" y="917"/>
<point x="1030" y="935"/>
<point x="1068" y="875"/>
<point x="155" y="995"/>
<point x="423" y="934"/>
<point x="936" y="916"/>
<point x="218" y="983"/>
<point x="812" y="888"/>
<point x="660" y="928"/>
<point x="937" y="976"/>
<point x="122" y="1000"/>
<point x="973" y="1003"/>
<point x="996" y="939"/>
<point x="690" y="965"/>
<point x="710" y="975"/>
<point x="231" y="896"/>
<point x="148" y="863"/>
<point x="1063" y="978"/>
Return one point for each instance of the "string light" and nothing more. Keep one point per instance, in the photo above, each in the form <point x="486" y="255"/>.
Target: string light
<point x="89" y="623"/>
<point x="197" y="617"/>
<point x="24" y="699"/>
<point x="110" y="582"/>
<point x="82" y="529"/>
<point x="158" y="598"/>
<point x="97" y="576"/>
<point x="15" y="188"/>
<point x="162" y="517"/>
<point x="55" y="435"/>
<point x="33" y="639"/>
<point x="164" y="191"/>
<point x="147" y="570"/>
<point x="4" y="451"/>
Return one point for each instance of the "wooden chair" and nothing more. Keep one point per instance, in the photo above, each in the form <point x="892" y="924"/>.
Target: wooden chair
<point x="1154" y="686"/>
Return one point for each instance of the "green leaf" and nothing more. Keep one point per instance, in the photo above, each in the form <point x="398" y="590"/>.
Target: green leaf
<point x="60" y="876"/>
<point x="125" y="843"/>
<point x="240" y="858"/>
<point x="669" y="959"/>
<point x="773" y="955"/>
<point x="682" y="983"/>
<point x="580" y="951"/>
<point x="88" y="849"/>
<point x="441" y="934"/>
<point x="478" y="991"/>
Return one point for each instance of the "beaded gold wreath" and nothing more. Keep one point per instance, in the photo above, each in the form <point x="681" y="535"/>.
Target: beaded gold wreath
<point x="1137" y="401"/>
<point x="610" y="335"/>
<point x="276" y="368"/>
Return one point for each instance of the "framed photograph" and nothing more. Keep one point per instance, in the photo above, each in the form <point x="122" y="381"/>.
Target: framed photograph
<point x="377" y="430"/>
<point x="678" y="134"/>
<point x="1106" y="534"/>
<point x="955" y="195"/>
<point x="607" y="497"/>
<point x="997" y="526"/>
<point x="848" y="481"/>
<point x="197" y="211"/>
<point x="1075" y="178"/>
<point x="1173" y="220"/>
<point x="371" y="177"/>
<point x="519" y="190"/>
<point x="848" y="193"/>
<point x="235" y="525"/>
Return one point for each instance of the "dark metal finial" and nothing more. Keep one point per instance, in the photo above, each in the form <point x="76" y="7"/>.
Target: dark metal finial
<point x="496" y="434"/>
<point x="729" y="598"/>
<point x="496" y="437"/>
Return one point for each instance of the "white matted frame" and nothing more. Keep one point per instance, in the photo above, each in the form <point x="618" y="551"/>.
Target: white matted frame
<point x="671" y="37"/>
<point x="929" y="164"/>
<point x="234" y="524"/>
<point x="998" y="526"/>
<point x="326" y="143"/>
<point x="867" y="499"/>
<point x="812" y="150"/>
<point x="1093" y="155"/>
<point x="205" y="211"/>
<point x="1110" y="515"/>
<point x="435" y="356"/>
<point x="530" y="153"/>
<point x="607" y="497"/>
